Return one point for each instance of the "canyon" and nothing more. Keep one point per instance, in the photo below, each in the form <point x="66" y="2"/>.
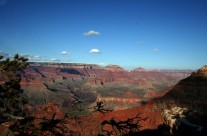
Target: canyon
<point x="54" y="89"/>
<point x="119" y="88"/>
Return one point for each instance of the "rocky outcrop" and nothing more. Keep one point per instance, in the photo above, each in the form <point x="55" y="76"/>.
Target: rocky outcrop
<point x="176" y="118"/>
<point x="139" y="69"/>
<point x="203" y="71"/>
<point x="114" y="68"/>
<point x="201" y="74"/>
<point x="190" y="92"/>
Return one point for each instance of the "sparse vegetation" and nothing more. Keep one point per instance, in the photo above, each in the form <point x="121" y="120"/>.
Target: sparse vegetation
<point x="78" y="98"/>
<point x="12" y="99"/>
<point x="37" y="125"/>
<point x="100" y="107"/>
<point x="131" y="125"/>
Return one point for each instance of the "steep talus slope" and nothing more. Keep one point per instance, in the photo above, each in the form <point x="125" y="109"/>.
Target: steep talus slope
<point x="190" y="92"/>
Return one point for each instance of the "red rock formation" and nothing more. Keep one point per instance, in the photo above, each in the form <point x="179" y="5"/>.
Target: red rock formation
<point x="47" y="111"/>
<point x="114" y="68"/>
<point x="94" y="75"/>
<point x="139" y="69"/>
<point x="88" y="125"/>
<point x="112" y="73"/>
<point x="202" y="71"/>
<point x="190" y="92"/>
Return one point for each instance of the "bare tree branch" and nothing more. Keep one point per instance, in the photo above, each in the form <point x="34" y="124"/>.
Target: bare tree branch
<point x="131" y="125"/>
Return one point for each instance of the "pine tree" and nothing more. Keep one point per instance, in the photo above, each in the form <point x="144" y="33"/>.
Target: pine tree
<point x="12" y="98"/>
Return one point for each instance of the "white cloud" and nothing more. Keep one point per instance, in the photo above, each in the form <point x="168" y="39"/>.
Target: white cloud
<point x="5" y="55"/>
<point x="31" y="57"/>
<point x="25" y="56"/>
<point x="95" y="51"/>
<point x="53" y="60"/>
<point x="36" y="58"/>
<point x="156" y="49"/>
<point x="65" y="53"/>
<point x="102" y="64"/>
<point x="91" y="33"/>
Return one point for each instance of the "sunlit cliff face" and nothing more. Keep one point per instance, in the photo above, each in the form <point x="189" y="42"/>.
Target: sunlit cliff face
<point x="116" y="86"/>
<point x="203" y="71"/>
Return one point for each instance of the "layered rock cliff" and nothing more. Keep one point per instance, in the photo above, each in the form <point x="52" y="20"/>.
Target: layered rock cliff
<point x="54" y="82"/>
<point x="190" y="92"/>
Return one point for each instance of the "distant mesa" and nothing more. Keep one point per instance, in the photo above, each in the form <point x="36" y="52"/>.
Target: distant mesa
<point x="114" y="68"/>
<point x="140" y="69"/>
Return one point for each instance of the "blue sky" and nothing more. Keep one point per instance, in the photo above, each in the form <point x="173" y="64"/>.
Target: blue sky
<point x="161" y="34"/>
